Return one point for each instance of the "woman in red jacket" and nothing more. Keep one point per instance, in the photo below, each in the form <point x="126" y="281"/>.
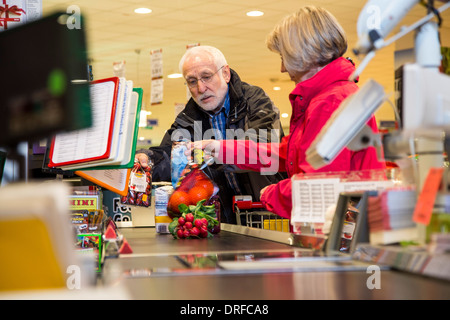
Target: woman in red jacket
<point x="311" y="44"/>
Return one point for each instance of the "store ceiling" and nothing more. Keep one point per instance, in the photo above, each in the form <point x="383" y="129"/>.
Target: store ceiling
<point x="116" y="33"/>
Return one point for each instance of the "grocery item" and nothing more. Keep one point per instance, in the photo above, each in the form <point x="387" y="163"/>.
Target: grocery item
<point x="196" y="221"/>
<point x="110" y="233"/>
<point x="193" y="186"/>
<point x="92" y="244"/>
<point x="162" y="219"/>
<point x="178" y="160"/>
<point x="86" y="221"/>
<point x="348" y="229"/>
<point x="139" y="187"/>
<point x="125" y="247"/>
<point x="214" y="201"/>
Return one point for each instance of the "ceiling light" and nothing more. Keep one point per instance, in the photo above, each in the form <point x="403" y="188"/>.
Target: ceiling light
<point x="276" y="88"/>
<point x="284" y="115"/>
<point x="255" y="13"/>
<point x="142" y="10"/>
<point x="175" y="76"/>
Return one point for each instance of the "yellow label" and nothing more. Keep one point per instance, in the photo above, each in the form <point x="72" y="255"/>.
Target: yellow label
<point x="163" y="219"/>
<point x="28" y="259"/>
<point x="198" y="156"/>
<point x="277" y="225"/>
<point x="83" y="203"/>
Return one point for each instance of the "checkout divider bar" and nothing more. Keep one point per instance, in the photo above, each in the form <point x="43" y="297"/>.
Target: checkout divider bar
<point x="297" y="240"/>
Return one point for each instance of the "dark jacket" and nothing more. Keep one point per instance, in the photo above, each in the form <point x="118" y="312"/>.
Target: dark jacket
<point x="250" y="108"/>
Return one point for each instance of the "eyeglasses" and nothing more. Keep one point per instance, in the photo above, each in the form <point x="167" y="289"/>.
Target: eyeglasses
<point x="193" y="82"/>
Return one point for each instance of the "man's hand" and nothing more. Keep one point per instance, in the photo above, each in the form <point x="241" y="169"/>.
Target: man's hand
<point x="209" y="147"/>
<point x="143" y="159"/>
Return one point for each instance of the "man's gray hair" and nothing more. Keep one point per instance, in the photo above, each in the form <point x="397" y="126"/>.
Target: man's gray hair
<point x="217" y="55"/>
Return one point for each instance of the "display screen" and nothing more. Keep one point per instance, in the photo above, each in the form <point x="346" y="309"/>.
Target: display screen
<point x="44" y="88"/>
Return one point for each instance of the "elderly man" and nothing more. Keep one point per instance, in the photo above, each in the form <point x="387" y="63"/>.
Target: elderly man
<point x="222" y="104"/>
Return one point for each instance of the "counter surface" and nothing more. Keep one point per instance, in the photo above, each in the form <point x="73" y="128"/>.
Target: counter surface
<point x="233" y="266"/>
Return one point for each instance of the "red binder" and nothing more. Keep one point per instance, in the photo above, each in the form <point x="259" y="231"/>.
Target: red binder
<point x="57" y="147"/>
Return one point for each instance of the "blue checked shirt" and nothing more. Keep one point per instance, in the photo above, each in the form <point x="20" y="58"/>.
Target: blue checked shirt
<point x="219" y="125"/>
<point x="219" y="120"/>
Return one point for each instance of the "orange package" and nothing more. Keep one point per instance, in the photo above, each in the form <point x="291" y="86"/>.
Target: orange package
<point x="193" y="186"/>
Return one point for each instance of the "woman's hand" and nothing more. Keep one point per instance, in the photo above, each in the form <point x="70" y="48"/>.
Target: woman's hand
<point x="263" y="190"/>
<point x="210" y="149"/>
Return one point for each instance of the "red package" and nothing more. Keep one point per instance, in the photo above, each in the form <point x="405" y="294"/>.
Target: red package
<point x="139" y="187"/>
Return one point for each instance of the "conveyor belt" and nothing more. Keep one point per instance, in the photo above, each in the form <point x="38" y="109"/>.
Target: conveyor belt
<point x="234" y="266"/>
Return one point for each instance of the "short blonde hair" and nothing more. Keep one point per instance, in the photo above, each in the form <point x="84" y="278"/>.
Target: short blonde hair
<point x="310" y="37"/>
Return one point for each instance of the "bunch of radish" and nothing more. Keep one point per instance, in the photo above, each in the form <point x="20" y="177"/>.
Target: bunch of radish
<point x="197" y="221"/>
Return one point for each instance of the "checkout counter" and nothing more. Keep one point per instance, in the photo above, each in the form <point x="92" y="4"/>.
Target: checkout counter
<point x="238" y="263"/>
<point x="243" y="263"/>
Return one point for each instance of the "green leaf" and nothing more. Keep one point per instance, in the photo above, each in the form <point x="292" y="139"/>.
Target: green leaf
<point x="199" y="215"/>
<point x="197" y="207"/>
<point x="198" y="211"/>
<point x="183" y="208"/>
<point x="173" y="225"/>
<point x="210" y="212"/>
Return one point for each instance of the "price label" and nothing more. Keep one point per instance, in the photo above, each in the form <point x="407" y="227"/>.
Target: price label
<point x="427" y="197"/>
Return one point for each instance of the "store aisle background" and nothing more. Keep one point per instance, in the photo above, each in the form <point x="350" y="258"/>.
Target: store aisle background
<point x="115" y="33"/>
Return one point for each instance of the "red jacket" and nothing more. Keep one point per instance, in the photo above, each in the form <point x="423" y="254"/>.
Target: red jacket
<point x="313" y="102"/>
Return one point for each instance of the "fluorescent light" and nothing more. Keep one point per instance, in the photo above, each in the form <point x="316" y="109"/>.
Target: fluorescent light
<point x="175" y="76"/>
<point x="284" y="115"/>
<point x="78" y="81"/>
<point x="255" y="13"/>
<point x="276" y="88"/>
<point x="142" y="10"/>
